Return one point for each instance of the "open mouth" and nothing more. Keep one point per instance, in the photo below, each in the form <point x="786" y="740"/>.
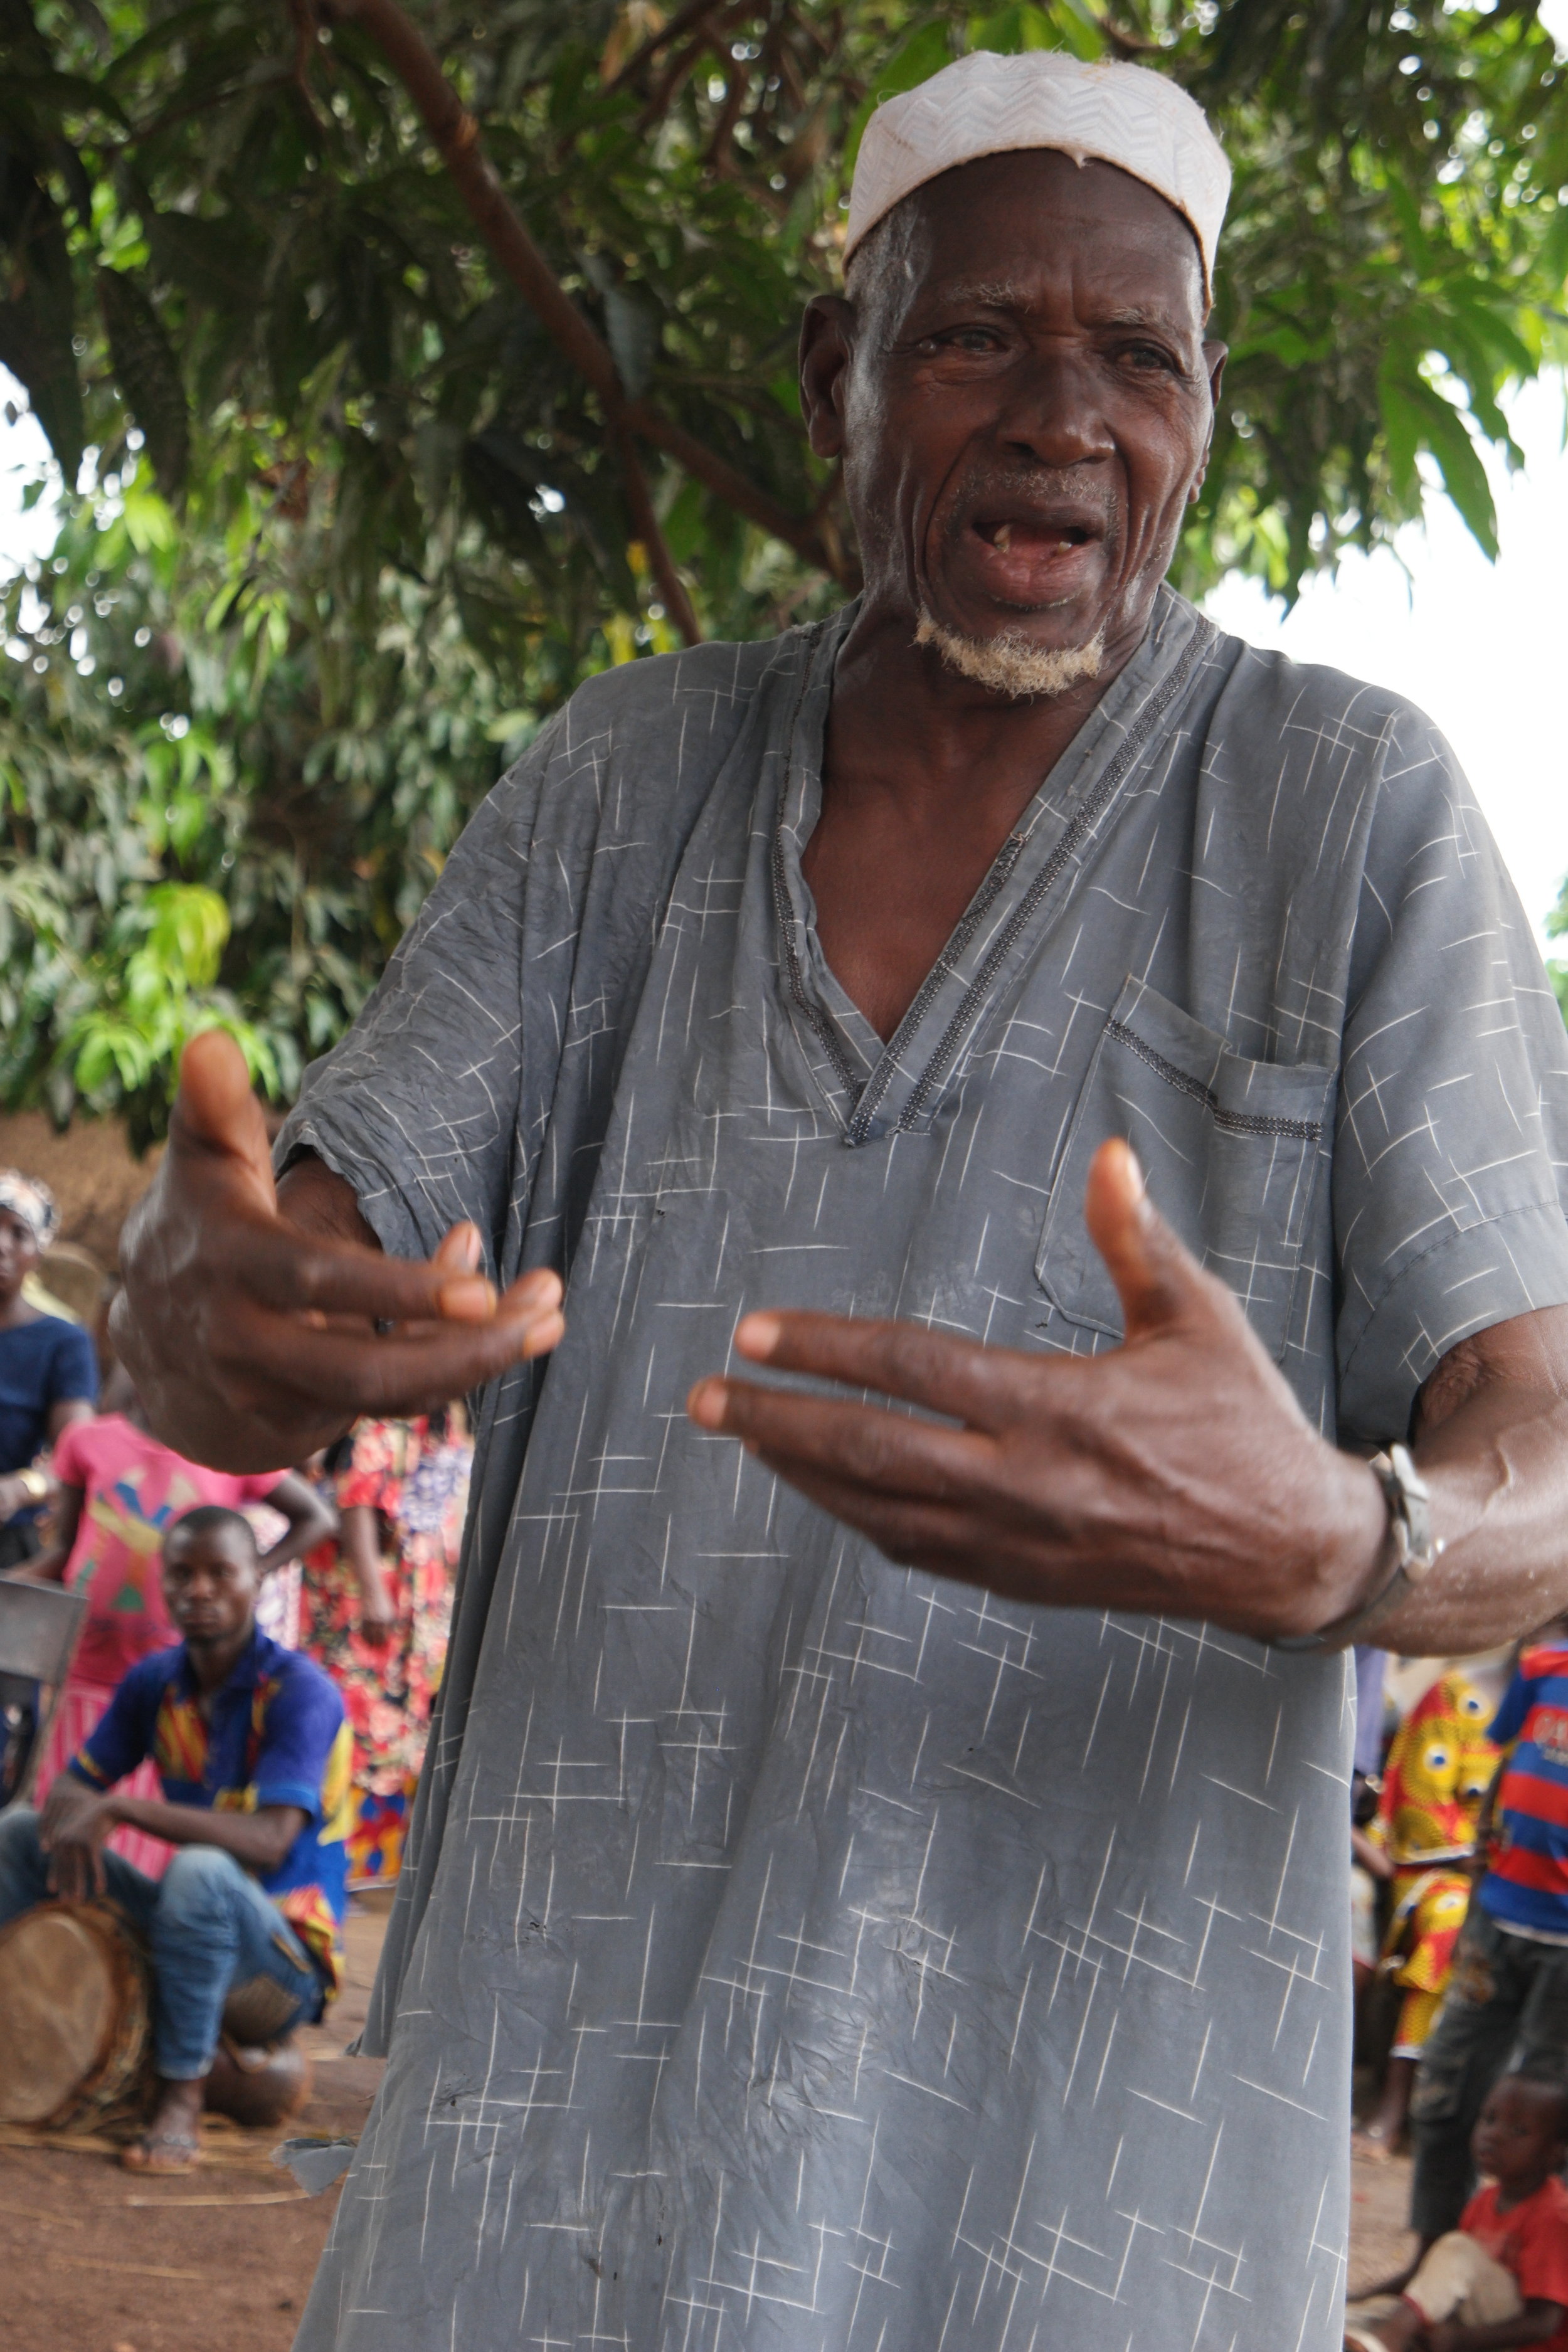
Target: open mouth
<point x="1034" y="538"/>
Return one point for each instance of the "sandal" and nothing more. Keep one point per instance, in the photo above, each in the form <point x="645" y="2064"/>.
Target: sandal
<point x="163" y="2152"/>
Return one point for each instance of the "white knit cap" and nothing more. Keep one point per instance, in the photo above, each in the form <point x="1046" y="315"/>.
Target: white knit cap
<point x="988" y="105"/>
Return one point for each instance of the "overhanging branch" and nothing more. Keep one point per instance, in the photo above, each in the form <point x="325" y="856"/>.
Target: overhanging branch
<point x="457" y="139"/>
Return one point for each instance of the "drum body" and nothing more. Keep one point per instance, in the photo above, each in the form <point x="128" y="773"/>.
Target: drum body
<point x="76" y="2020"/>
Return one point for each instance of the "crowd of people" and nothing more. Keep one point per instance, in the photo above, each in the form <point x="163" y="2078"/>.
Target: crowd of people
<point x="234" y="1750"/>
<point x="1459" y="1842"/>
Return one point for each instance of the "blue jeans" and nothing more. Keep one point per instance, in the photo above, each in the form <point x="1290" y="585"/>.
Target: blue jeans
<point x="215" y="1938"/>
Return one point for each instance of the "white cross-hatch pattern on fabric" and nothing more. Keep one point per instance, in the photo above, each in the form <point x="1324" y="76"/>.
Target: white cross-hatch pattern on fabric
<point x="801" y="1955"/>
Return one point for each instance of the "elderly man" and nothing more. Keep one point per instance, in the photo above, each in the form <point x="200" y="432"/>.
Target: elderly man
<point x="805" y="1951"/>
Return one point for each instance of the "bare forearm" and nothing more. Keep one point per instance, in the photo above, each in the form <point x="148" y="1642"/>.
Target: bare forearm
<point x="1498" y="1469"/>
<point x="255" y="1840"/>
<point x="44" y="1567"/>
<point x="318" y="1201"/>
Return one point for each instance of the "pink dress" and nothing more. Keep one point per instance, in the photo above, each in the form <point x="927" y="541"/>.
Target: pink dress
<point x="133" y="1489"/>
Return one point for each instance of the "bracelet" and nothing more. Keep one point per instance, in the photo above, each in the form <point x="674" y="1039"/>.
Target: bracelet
<point x="1416" y="1551"/>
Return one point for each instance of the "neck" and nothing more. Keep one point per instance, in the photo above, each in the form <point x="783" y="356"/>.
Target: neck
<point x="901" y="720"/>
<point x="1514" y="2192"/>
<point x="16" y="1309"/>
<point x="212" y="1662"/>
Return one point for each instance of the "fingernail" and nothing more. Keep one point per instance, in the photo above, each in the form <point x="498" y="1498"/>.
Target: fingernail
<point x="539" y="1288"/>
<point x="1135" y="1170"/>
<point x="544" y="1335"/>
<point x="467" y="1298"/>
<point x="461" y="1248"/>
<point x="706" y="1404"/>
<point x="758" y="1335"/>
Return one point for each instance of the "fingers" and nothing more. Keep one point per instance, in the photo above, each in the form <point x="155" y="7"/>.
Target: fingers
<point x="216" y="1110"/>
<point x="985" y="1387"/>
<point x="460" y="1251"/>
<point x="868" y="1447"/>
<point x="293" y="1272"/>
<point x="913" y="1531"/>
<point x="1157" y="1280"/>
<point x="350" y="1371"/>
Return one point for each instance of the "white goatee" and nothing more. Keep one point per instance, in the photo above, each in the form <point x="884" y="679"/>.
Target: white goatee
<point x="1010" y="665"/>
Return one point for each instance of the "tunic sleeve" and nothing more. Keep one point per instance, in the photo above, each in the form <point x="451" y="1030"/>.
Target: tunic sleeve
<point x="417" y="1106"/>
<point x="1452" y="1140"/>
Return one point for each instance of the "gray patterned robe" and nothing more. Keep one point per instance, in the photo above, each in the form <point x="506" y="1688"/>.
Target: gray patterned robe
<point x="801" y="1953"/>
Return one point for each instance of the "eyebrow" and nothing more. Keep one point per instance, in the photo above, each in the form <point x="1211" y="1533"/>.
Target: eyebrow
<point x="999" y="294"/>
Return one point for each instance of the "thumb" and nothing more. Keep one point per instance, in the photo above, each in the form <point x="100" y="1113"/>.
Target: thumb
<point x="1157" y="1279"/>
<point x="217" y="1113"/>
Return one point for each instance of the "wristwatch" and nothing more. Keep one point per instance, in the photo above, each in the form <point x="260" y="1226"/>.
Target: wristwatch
<point x="34" y="1485"/>
<point x="1416" y="1550"/>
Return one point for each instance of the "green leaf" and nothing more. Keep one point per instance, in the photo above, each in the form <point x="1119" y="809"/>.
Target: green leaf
<point x="923" y="53"/>
<point x="149" y="376"/>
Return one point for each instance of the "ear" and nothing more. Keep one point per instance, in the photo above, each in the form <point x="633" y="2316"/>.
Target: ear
<point x="827" y="347"/>
<point x="1214" y="358"/>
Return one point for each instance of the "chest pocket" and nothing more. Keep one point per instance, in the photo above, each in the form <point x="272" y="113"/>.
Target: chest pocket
<point x="1233" y="1152"/>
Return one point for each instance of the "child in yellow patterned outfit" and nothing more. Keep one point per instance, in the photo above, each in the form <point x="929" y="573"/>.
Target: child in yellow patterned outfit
<point x="1440" y="1768"/>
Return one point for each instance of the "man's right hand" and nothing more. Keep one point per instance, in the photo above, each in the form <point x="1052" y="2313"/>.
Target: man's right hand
<point x="249" y="1317"/>
<point x="72" y="1828"/>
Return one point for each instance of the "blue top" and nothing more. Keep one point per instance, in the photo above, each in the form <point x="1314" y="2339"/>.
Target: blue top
<point x="1526" y="1884"/>
<point x="277" y="1737"/>
<point x="40" y="1363"/>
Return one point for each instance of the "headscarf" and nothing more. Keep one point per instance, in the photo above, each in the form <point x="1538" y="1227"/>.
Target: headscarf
<point x="28" y="1198"/>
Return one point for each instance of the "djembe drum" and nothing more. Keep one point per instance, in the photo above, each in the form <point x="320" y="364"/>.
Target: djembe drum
<point x="76" y="2020"/>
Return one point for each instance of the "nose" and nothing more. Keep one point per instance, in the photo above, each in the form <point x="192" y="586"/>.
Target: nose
<point x="1053" y="415"/>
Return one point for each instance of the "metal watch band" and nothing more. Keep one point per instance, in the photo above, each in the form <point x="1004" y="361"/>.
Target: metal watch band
<point x="1415" y="1548"/>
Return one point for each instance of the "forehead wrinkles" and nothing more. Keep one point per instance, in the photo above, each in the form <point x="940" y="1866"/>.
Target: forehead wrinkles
<point x="1018" y="295"/>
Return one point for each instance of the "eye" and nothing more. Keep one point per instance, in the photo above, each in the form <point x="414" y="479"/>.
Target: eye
<point x="981" y="341"/>
<point x="1151" y="358"/>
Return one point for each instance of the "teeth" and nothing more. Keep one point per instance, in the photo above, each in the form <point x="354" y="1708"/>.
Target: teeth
<point x="1003" y="538"/>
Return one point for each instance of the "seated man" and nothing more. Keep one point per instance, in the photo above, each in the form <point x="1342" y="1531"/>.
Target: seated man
<point x="254" y="1756"/>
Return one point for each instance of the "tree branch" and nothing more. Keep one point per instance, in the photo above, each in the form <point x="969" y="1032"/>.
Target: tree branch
<point x="455" y="135"/>
<point x="671" y="586"/>
<point x="681" y="23"/>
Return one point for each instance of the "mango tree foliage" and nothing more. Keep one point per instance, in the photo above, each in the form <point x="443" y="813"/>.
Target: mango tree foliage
<point x="349" y="518"/>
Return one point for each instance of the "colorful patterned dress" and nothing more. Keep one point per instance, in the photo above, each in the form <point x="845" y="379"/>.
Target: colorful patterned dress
<point x="1439" y="1767"/>
<point x="415" y="1475"/>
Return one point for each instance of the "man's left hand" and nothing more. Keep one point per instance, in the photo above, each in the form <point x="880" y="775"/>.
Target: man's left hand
<point x="1174" y="1474"/>
<point x="72" y="1827"/>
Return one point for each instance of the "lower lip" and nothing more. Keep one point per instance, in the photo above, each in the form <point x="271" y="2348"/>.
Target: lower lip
<point x="1033" y="570"/>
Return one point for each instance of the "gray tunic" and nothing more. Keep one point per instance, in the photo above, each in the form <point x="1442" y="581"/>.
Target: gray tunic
<point x="800" y="1952"/>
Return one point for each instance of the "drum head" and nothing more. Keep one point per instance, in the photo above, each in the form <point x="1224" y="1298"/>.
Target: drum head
<point x="59" y="2005"/>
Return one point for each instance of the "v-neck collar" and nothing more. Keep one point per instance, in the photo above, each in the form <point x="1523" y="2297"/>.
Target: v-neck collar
<point x="877" y="1089"/>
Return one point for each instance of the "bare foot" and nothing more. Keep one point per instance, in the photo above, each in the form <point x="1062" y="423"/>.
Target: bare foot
<point x="172" y="2141"/>
<point x="1381" y="2133"/>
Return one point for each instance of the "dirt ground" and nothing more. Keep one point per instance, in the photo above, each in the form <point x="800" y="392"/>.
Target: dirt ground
<point x="94" y="2259"/>
<point x="1380" y="2199"/>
